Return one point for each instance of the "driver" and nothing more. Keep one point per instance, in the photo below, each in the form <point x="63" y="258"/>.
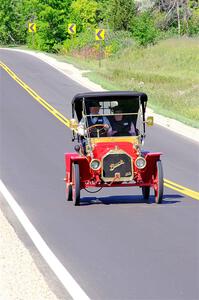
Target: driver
<point x="94" y="108"/>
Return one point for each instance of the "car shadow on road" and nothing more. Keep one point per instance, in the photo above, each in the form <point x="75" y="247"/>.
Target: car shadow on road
<point x="171" y="199"/>
<point x="126" y="199"/>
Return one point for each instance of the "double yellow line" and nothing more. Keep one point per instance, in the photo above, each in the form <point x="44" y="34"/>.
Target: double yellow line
<point x="30" y="91"/>
<point x="66" y="122"/>
<point x="183" y="190"/>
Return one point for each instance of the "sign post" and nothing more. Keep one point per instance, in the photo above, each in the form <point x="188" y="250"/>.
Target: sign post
<point x="32" y="29"/>
<point x="72" y="31"/>
<point x="100" y="36"/>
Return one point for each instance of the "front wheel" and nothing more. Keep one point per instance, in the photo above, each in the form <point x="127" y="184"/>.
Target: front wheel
<point x="158" y="184"/>
<point x="76" y="184"/>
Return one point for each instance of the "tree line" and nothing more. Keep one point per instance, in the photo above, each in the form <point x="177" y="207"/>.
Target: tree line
<point x="125" y="21"/>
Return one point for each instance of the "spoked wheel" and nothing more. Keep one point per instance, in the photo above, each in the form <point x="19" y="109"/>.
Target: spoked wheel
<point x="158" y="184"/>
<point x="146" y="192"/>
<point x="69" y="192"/>
<point x="76" y="185"/>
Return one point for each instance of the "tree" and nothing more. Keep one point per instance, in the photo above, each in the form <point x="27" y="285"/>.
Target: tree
<point x="178" y="13"/>
<point x="83" y="13"/>
<point x="51" y="18"/>
<point x="120" y="14"/>
<point x="193" y="22"/>
<point x="10" y="29"/>
<point x="143" y="29"/>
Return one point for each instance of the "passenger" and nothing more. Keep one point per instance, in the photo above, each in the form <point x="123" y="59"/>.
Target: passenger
<point x="121" y="125"/>
<point x="94" y="108"/>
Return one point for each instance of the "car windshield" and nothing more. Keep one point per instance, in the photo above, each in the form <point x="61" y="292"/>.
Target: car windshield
<point x="112" y="118"/>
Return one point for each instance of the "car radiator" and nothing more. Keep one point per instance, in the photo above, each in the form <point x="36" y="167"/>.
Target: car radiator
<point x="117" y="164"/>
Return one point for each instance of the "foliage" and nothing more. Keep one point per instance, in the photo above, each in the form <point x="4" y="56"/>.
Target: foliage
<point x="145" y="19"/>
<point x="178" y="16"/>
<point x="84" y="39"/>
<point x="193" y="23"/>
<point x="143" y="29"/>
<point x="10" y="31"/>
<point x="120" y="14"/>
<point x="102" y="13"/>
<point x="51" y="29"/>
<point x="52" y="25"/>
<point x="117" y="40"/>
<point x="86" y="44"/>
<point x="83" y="13"/>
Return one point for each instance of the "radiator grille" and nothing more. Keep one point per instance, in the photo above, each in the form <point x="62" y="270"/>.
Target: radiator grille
<point x="117" y="163"/>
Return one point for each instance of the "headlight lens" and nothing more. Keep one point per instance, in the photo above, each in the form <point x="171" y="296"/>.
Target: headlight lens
<point x="140" y="163"/>
<point x="95" y="164"/>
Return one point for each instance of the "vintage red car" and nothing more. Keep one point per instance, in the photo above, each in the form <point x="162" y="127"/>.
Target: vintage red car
<point x="111" y="155"/>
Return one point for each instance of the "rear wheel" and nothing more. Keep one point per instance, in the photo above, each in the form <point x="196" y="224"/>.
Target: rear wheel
<point x="146" y="192"/>
<point x="76" y="185"/>
<point x="158" y="184"/>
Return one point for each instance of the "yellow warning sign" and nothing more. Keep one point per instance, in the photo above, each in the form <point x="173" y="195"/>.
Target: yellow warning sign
<point x="32" y="27"/>
<point x="99" y="34"/>
<point x="72" y="28"/>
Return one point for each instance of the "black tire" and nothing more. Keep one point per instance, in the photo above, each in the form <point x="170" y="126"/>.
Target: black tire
<point x="69" y="192"/>
<point x="76" y="184"/>
<point x="146" y="192"/>
<point x="159" y="186"/>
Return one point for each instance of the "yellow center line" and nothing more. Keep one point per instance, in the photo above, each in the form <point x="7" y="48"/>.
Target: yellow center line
<point x="39" y="99"/>
<point x="181" y="189"/>
<point x="66" y="122"/>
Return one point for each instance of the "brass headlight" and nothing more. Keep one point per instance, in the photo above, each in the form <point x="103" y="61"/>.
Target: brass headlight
<point x="140" y="162"/>
<point x="95" y="164"/>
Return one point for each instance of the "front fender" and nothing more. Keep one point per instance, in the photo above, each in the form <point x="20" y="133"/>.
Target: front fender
<point x="70" y="158"/>
<point x="150" y="169"/>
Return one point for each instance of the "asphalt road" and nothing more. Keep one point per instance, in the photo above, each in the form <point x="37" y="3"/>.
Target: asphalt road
<point x="114" y="245"/>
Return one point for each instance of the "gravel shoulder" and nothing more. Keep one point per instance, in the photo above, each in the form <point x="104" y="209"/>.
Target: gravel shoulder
<point x="20" y="278"/>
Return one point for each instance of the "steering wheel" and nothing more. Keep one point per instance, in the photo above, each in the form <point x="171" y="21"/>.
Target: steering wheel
<point x="97" y="128"/>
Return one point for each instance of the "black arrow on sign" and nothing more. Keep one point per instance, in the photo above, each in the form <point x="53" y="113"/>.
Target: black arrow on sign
<point x="32" y="27"/>
<point x="71" y="28"/>
<point x="99" y="34"/>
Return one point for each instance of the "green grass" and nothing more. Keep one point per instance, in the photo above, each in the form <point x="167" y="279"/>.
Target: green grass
<point x="168" y="72"/>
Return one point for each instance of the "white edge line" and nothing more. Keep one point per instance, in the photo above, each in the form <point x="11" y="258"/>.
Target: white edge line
<point x="63" y="275"/>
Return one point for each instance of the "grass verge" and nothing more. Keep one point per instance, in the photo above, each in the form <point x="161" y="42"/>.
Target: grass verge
<point x="168" y="72"/>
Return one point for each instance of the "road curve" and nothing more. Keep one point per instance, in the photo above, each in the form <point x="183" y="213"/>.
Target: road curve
<point x="116" y="247"/>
